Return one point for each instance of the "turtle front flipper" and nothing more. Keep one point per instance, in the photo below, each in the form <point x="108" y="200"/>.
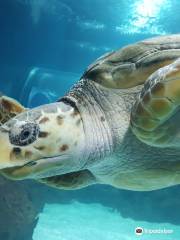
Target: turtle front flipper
<point x="70" y="181"/>
<point x="9" y="108"/>
<point x="155" y="117"/>
<point x="132" y="65"/>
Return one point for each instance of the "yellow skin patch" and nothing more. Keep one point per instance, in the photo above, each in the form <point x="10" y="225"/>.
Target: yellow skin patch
<point x="60" y="140"/>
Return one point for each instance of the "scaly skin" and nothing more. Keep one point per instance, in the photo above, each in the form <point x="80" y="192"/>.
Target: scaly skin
<point x="115" y="155"/>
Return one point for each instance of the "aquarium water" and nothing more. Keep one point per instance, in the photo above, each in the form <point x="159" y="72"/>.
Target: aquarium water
<point x="79" y="221"/>
<point x="45" y="46"/>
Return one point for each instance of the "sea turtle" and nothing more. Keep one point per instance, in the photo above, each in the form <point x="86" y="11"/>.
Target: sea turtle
<point x="113" y="127"/>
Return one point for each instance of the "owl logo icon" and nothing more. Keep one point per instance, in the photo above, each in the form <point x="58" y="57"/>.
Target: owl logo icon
<point x="138" y="231"/>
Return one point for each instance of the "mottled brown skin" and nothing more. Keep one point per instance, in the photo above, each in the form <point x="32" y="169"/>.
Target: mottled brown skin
<point x="64" y="147"/>
<point x="43" y="134"/>
<point x="41" y="148"/>
<point x="60" y="120"/>
<point x="44" y="120"/>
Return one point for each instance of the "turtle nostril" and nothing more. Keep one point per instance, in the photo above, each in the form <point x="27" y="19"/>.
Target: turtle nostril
<point x="15" y="154"/>
<point x="16" y="150"/>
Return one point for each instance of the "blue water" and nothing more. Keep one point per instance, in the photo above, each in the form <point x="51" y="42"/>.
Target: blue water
<point x="45" y="46"/>
<point x="79" y="221"/>
<point x="105" y="213"/>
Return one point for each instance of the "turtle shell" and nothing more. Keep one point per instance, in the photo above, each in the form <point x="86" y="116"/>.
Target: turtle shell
<point x="132" y="65"/>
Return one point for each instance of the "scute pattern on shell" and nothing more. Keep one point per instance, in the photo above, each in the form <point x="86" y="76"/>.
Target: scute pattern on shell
<point x="155" y="114"/>
<point x="9" y="108"/>
<point x="133" y="64"/>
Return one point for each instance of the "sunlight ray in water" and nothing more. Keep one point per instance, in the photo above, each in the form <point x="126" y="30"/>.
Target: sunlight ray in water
<point x="144" y="16"/>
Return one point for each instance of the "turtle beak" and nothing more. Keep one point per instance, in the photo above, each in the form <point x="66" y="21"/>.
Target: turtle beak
<point x="26" y="171"/>
<point x="17" y="173"/>
<point x="37" y="169"/>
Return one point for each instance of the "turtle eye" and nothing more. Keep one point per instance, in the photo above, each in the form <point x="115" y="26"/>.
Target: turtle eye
<point x="24" y="134"/>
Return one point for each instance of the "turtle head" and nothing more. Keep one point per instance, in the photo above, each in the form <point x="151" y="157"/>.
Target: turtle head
<point x="41" y="142"/>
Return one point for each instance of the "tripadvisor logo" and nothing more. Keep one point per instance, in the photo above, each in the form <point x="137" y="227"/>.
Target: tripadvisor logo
<point x="140" y="231"/>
